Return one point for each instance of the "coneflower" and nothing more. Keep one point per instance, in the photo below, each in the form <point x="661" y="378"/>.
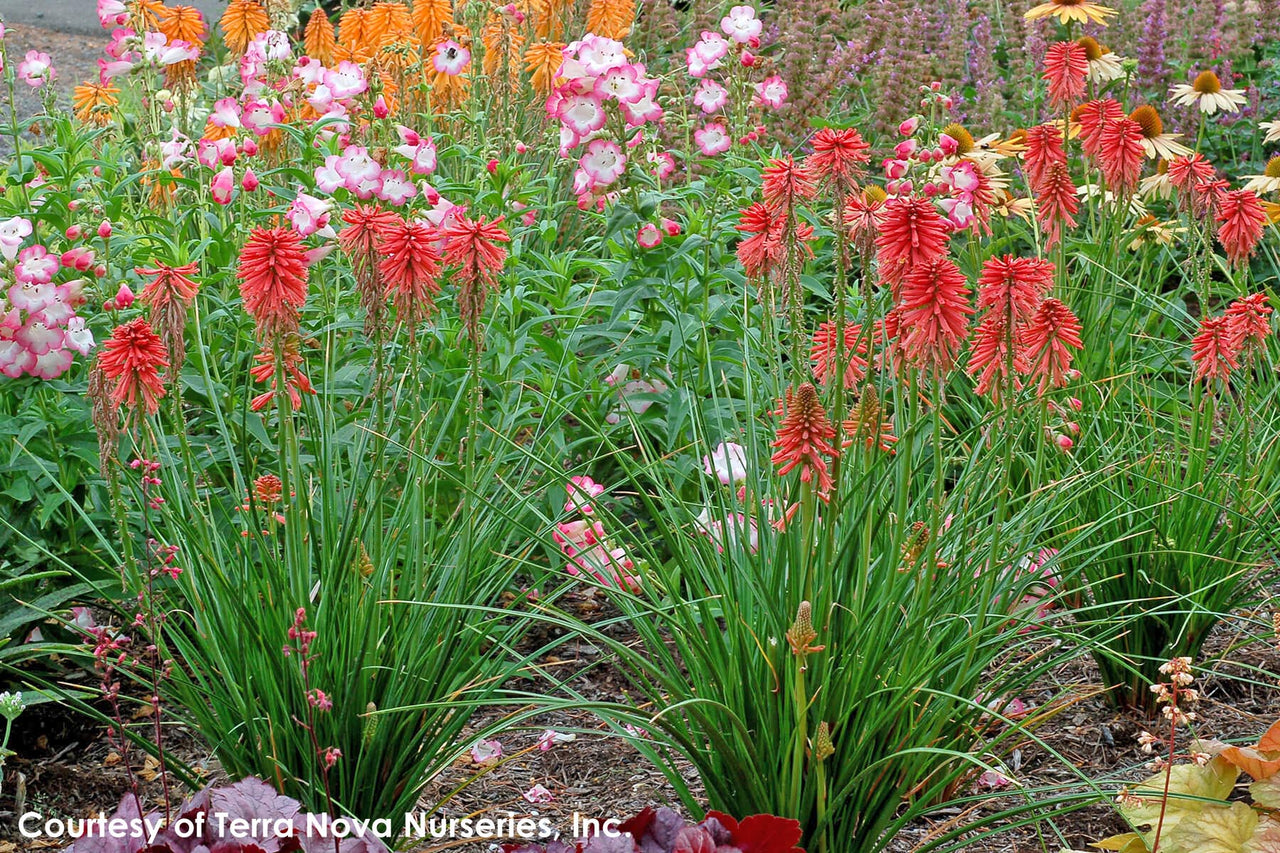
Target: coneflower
<point x="804" y="438"/>
<point x="366" y="226"/>
<point x="1013" y="287"/>
<point x="786" y="183"/>
<point x="825" y="355"/>
<point x="241" y="22"/>
<point x="1206" y="93"/>
<point x="1044" y="149"/>
<point x="1091" y="118"/>
<point x="169" y="295"/>
<point x="1157" y="143"/>
<point x="935" y="312"/>
<point x="1250" y="320"/>
<point x="295" y="382"/>
<point x="319" y="38"/>
<point x="1215" y="349"/>
<point x="131" y="361"/>
<point x="1067" y="11"/>
<point x="838" y="157"/>
<point x="273" y="280"/>
<point x="409" y="267"/>
<point x="1241" y="220"/>
<point x="912" y="234"/>
<point x="1120" y="154"/>
<point x="472" y="248"/>
<point x="1047" y="342"/>
<point x="1066" y="69"/>
<point x="1056" y="204"/>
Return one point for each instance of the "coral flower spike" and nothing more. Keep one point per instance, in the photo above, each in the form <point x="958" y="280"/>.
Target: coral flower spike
<point x="1066" y="69"/>
<point x="132" y="359"/>
<point x="273" y="280"/>
<point x="804" y="438"/>
<point x="1215" y="349"/>
<point x="1066" y="11"/>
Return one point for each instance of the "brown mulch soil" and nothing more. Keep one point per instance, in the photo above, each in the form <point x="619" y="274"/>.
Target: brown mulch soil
<point x="75" y="58"/>
<point x="70" y="768"/>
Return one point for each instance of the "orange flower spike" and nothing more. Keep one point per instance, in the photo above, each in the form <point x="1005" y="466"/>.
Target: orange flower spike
<point x="242" y="21"/>
<point x="319" y="38"/>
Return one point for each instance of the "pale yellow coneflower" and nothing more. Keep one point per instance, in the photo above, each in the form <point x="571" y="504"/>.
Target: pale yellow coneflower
<point x="1268" y="181"/>
<point x="1158" y="144"/>
<point x="1066" y="11"/>
<point x="1104" y="66"/>
<point x="1206" y="93"/>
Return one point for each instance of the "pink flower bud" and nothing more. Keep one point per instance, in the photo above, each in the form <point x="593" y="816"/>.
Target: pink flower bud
<point x="904" y="149"/>
<point x="895" y="169"/>
<point x="521" y="148"/>
<point x="100" y="271"/>
<point x="948" y="103"/>
<point x="104" y="229"/>
<point x="748" y="59"/>
<point x="73" y="205"/>
<point x="1075" y="403"/>
<point x="97" y="171"/>
<point x="670" y="226"/>
<point x="124" y="296"/>
<point x="947" y="145"/>
<point x="249" y="182"/>
<point x="74" y="232"/>
<point x="529" y="217"/>
<point x="924" y="155"/>
<point x="935" y="86"/>
<point x="906" y="187"/>
<point x="431" y="195"/>
<point x="1073" y="427"/>
<point x="380" y="108"/>
<point x="250" y="147"/>
<point x="908" y="127"/>
<point x="109" y="305"/>
<point x="492" y="166"/>
<point x="168" y="105"/>
<point x="891" y="187"/>
<point x="1064" y="443"/>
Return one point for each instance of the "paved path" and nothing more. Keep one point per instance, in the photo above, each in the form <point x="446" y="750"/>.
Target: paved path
<point x="79" y="16"/>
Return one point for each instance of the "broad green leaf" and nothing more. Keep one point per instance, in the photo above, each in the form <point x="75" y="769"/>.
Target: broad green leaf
<point x="1214" y="830"/>
<point x="1192" y="788"/>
